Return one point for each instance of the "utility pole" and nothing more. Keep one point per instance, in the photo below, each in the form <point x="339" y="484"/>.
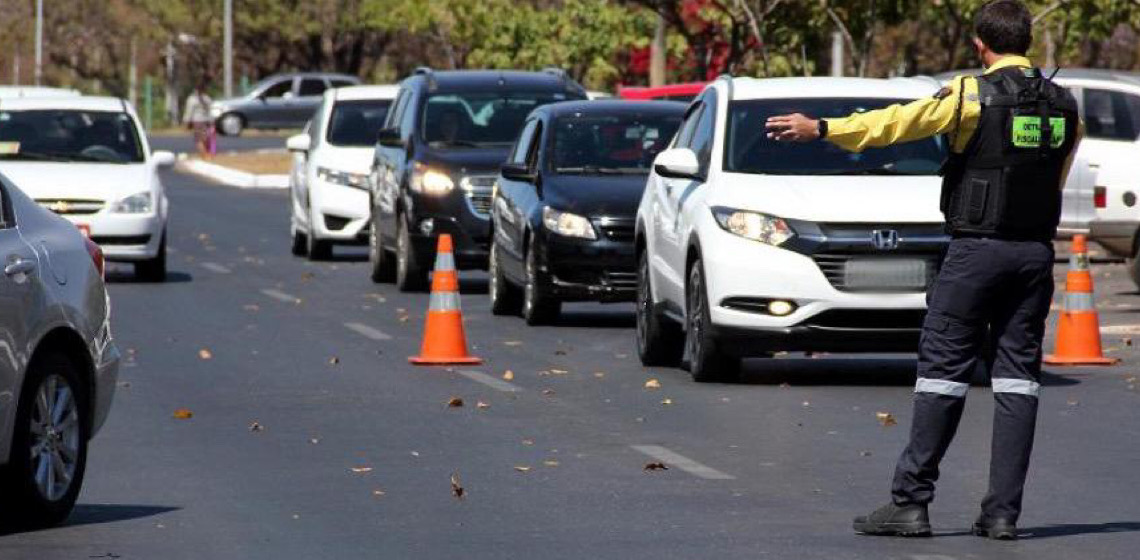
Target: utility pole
<point x="39" y="41"/>
<point x="837" y="54"/>
<point x="657" y="55"/>
<point x="228" y="50"/>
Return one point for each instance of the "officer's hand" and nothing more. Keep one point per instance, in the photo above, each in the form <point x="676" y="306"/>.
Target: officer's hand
<point x="792" y="128"/>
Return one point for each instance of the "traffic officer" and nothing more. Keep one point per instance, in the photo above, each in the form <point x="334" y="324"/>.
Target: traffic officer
<point x="1011" y="133"/>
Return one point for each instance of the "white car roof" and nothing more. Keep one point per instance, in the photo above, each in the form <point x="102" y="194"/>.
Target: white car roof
<point x="9" y="92"/>
<point x="354" y="93"/>
<point x="80" y="103"/>
<point x="792" y="88"/>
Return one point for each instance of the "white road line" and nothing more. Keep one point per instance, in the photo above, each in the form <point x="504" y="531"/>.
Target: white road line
<point x="1120" y="329"/>
<point x="673" y="459"/>
<point x="367" y="331"/>
<point x="215" y="267"/>
<point x="280" y="296"/>
<point x="492" y="382"/>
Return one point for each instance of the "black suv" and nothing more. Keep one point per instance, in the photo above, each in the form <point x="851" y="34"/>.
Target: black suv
<point x="564" y="213"/>
<point x="436" y="161"/>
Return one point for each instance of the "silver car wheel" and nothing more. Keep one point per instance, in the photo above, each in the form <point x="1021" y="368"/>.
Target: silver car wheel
<point x="55" y="437"/>
<point x="231" y="125"/>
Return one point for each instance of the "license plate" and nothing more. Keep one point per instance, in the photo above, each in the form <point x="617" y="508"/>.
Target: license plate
<point x="885" y="274"/>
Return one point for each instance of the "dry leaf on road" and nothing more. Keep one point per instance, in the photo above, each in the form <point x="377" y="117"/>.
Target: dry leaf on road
<point x="653" y="383"/>
<point x="205" y="354"/>
<point x="667" y="401"/>
<point x="482" y="405"/>
<point x="886" y="418"/>
<point x="456" y="488"/>
<point x="522" y="469"/>
<point x="334" y="361"/>
<point x="656" y="467"/>
<point x="508" y="375"/>
<point x="183" y="414"/>
<point x="256" y="427"/>
<point x="361" y="470"/>
<point x="599" y="374"/>
<point x="455" y="402"/>
<point x="512" y="343"/>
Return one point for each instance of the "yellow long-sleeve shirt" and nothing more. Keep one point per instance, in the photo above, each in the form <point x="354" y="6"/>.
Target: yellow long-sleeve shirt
<point x="923" y="118"/>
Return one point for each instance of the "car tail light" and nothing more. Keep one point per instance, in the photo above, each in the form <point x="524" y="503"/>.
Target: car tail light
<point x="1100" y="197"/>
<point x="96" y="253"/>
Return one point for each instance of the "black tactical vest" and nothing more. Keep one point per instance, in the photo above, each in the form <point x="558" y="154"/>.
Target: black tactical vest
<point x="1006" y="183"/>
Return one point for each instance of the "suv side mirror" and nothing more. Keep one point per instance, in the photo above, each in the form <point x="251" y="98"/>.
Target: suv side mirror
<point x="299" y="143"/>
<point x="162" y="158"/>
<point x="518" y="172"/>
<point x="390" y="137"/>
<point x="677" y="163"/>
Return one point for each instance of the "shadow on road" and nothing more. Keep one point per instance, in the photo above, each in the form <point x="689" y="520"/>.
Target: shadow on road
<point x="125" y="276"/>
<point x="96" y="514"/>
<point x="854" y="371"/>
<point x="1068" y="530"/>
<point x="597" y="319"/>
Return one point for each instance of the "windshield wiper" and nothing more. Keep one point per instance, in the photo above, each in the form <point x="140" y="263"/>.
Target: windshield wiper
<point x="595" y="170"/>
<point x="452" y="143"/>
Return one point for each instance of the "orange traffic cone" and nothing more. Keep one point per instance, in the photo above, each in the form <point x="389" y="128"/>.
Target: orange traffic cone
<point x="444" y="341"/>
<point x="1078" y="329"/>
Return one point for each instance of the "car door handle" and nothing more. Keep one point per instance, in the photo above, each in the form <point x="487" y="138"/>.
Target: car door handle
<point x="20" y="266"/>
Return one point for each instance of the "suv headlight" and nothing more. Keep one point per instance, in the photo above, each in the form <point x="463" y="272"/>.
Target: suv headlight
<point x="343" y="178"/>
<point x="565" y="223"/>
<point x="141" y="203"/>
<point x="754" y="225"/>
<point x="430" y="181"/>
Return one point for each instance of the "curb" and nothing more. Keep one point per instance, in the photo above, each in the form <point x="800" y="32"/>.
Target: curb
<point x="232" y="177"/>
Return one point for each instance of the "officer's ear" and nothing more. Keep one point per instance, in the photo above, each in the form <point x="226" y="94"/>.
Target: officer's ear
<point x="981" y="48"/>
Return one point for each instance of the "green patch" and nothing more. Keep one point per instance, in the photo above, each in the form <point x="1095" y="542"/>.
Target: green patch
<point x="1026" y="131"/>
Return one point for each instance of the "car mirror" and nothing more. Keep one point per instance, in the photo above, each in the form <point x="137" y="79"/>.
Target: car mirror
<point x="677" y="163"/>
<point x="390" y="137"/>
<point x="162" y="158"/>
<point x="517" y="172"/>
<point x="298" y="143"/>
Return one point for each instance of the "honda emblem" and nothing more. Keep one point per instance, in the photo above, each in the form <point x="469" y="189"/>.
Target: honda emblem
<point x="885" y="239"/>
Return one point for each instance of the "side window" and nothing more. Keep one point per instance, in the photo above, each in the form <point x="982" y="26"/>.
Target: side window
<point x="703" y="132"/>
<point x="317" y="124"/>
<point x="1109" y="115"/>
<point x="535" y="147"/>
<point x="312" y="87"/>
<point x="408" y="117"/>
<point x="685" y="134"/>
<point x="341" y="82"/>
<point x="521" y="150"/>
<point x="279" y="89"/>
<point x="393" y="118"/>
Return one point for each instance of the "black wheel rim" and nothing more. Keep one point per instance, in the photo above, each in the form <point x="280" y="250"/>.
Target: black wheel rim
<point x="643" y="306"/>
<point x="493" y="288"/>
<point x="402" y="252"/>
<point x="694" y="335"/>
<point x="531" y="289"/>
<point x="373" y="244"/>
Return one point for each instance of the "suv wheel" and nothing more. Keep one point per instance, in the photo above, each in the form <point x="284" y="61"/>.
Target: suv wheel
<point x="231" y="124"/>
<point x="505" y="297"/>
<point x="410" y="275"/>
<point x="379" y="261"/>
<point x="49" y="446"/>
<point x="706" y="361"/>
<point x="317" y="249"/>
<point x="539" y="306"/>
<point x="153" y="270"/>
<point x="300" y="246"/>
<point x="659" y="340"/>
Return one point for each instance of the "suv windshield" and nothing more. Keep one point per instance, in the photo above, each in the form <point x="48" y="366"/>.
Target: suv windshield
<point x="479" y="119"/>
<point x="355" y="123"/>
<point x="69" y="135"/>
<point x="610" y="143"/>
<point x="748" y="149"/>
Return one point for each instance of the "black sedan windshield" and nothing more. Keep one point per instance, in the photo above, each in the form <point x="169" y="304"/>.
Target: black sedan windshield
<point x="69" y="135"/>
<point x="355" y="123"/>
<point x="610" y="143"/>
<point x="479" y="119"/>
<point x="748" y="149"/>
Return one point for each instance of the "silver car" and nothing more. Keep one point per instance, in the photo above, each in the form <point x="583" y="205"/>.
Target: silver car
<point x="279" y="101"/>
<point x="58" y="362"/>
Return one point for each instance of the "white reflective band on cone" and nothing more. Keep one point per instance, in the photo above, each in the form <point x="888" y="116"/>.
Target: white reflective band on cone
<point x="941" y="387"/>
<point x="444" y="301"/>
<point x="1019" y="386"/>
<point x="444" y="262"/>
<point x="1078" y="301"/>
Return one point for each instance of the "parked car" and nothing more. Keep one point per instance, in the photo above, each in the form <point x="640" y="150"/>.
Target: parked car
<point x="279" y="101"/>
<point x="670" y="92"/>
<point x="1117" y="227"/>
<point x="1109" y="103"/>
<point x="329" y="202"/>
<point x="747" y="246"/>
<point x="437" y="159"/>
<point x="60" y="364"/>
<point x="87" y="159"/>
<point x="563" y="212"/>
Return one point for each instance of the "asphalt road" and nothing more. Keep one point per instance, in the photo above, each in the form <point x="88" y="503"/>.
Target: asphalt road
<point x="353" y="448"/>
<point x="184" y="143"/>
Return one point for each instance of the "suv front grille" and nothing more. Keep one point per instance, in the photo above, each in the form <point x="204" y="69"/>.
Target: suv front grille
<point x="616" y="229"/>
<point x="479" y="190"/>
<point x="71" y="205"/>
<point x="626" y="280"/>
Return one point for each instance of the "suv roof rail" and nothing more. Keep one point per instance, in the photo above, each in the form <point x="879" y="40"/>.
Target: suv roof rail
<point x="555" y="71"/>
<point x="567" y="83"/>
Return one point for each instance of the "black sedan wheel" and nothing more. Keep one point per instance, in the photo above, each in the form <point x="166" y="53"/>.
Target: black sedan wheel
<point x="539" y="306"/>
<point x="659" y="340"/>
<point x="382" y="266"/>
<point x="505" y="297"/>
<point x="706" y="361"/>
<point x="410" y="275"/>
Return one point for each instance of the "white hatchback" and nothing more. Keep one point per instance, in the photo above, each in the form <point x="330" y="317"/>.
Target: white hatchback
<point x="87" y="159"/>
<point x="329" y="182"/>
<point x="748" y="246"/>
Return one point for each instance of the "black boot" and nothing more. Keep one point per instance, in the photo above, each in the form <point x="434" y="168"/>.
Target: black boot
<point x="995" y="528"/>
<point x="893" y="520"/>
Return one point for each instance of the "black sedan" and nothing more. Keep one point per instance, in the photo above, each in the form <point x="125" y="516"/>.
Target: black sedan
<point x="563" y="213"/>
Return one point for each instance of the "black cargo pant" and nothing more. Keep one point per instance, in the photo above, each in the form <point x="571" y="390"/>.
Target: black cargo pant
<point x="986" y="287"/>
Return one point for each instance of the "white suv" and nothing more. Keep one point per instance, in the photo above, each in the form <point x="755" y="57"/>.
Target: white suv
<point x="329" y="180"/>
<point x="748" y="246"/>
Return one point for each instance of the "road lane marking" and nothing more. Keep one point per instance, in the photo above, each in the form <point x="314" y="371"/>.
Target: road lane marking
<point x="280" y="296"/>
<point x="215" y="267"/>
<point x="673" y="459"/>
<point x="1120" y="329"/>
<point x="367" y="331"/>
<point x="492" y="382"/>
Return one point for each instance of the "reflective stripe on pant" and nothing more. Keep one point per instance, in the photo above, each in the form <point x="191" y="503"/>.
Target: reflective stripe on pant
<point x="985" y="287"/>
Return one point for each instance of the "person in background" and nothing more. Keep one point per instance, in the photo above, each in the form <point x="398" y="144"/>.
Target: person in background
<point x="197" y="118"/>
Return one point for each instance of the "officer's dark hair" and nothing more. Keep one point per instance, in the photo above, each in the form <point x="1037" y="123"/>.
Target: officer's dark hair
<point x="1005" y="26"/>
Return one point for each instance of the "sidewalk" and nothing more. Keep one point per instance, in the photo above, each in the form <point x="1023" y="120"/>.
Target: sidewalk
<point x="230" y="176"/>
